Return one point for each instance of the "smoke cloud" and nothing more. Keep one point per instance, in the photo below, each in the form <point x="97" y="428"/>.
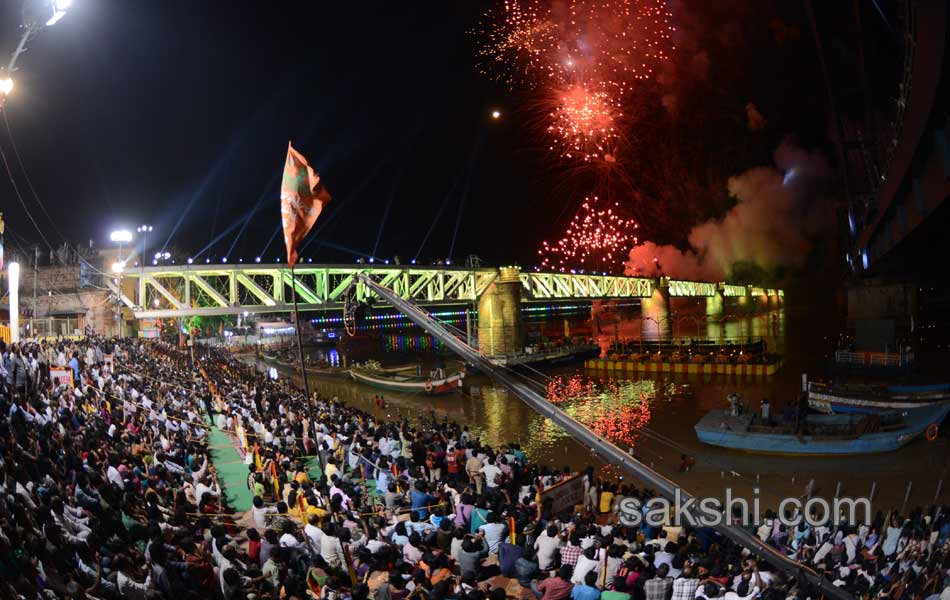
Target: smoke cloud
<point x="778" y="215"/>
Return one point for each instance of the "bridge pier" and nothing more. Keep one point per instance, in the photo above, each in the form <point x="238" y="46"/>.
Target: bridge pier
<point x="745" y="304"/>
<point x="775" y="302"/>
<point x="715" y="306"/>
<point x="500" y="325"/>
<point x="655" y="312"/>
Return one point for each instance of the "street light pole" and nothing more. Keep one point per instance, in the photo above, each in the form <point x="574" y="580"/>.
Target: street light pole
<point x="144" y="230"/>
<point x="121" y="237"/>
<point x="36" y="267"/>
<point x="33" y="23"/>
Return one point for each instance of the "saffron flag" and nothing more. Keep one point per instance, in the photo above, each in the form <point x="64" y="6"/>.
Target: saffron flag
<point x="302" y="198"/>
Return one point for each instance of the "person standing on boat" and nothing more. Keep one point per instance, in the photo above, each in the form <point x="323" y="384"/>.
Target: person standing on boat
<point x="733" y="400"/>
<point x="766" y="411"/>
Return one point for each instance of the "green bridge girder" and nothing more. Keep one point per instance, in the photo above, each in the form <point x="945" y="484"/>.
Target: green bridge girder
<point x="187" y="290"/>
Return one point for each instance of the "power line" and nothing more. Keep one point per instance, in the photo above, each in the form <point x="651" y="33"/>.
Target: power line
<point x="26" y="176"/>
<point x="19" y="196"/>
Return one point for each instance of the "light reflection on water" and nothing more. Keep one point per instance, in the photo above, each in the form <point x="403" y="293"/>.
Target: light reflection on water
<point x="670" y="405"/>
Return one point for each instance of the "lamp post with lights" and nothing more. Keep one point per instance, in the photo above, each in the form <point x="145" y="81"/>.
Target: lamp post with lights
<point x="121" y="237"/>
<point x="144" y="230"/>
<point x="36" y="16"/>
<point x="13" y="280"/>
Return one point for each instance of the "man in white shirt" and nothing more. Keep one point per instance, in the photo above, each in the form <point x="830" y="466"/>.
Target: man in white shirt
<point x="331" y="549"/>
<point x="586" y="563"/>
<point x="112" y="474"/>
<point x="259" y="512"/>
<point x="314" y="533"/>
<point x="548" y="546"/>
<point x="664" y="556"/>
<point x="202" y="487"/>
<point x="490" y="471"/>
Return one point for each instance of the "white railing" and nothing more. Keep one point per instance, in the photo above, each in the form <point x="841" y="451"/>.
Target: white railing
<point x="874" y="359"/>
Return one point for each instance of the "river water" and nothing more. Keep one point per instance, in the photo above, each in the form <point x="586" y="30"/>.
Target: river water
<point x="654" y="414"/>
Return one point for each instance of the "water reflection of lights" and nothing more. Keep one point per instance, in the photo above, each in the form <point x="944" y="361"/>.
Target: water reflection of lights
<point x="616" y="410"/>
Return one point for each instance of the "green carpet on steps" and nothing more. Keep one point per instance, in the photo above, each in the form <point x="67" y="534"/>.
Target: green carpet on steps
<point x="232" y="472"/>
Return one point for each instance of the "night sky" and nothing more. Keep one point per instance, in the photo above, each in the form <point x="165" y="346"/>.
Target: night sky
<point x="178" y="114"/>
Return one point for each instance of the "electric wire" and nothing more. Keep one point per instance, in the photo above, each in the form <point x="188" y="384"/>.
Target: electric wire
<point x="16" y="191"/>
<point x="26" y="175"/>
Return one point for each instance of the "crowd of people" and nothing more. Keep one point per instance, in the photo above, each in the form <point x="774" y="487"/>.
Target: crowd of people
<point x="109" y="490"/>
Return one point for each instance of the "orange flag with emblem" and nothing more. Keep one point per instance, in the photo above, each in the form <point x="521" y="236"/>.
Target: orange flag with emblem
<point x="302" y="198"/>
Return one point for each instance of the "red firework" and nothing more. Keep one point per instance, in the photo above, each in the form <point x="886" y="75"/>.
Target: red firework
<point x="598" y="239"/>
<point x="519" y="38"/>
<point x="617" y="42"/>
<point x="584" y="123"/>
<point x="590" y="54"/>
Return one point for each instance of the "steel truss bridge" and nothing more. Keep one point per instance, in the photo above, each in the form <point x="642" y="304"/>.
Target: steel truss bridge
<point x="182" y="291"/>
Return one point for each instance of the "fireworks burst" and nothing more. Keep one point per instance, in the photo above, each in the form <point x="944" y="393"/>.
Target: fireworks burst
<point x="597" y="239"/>
<point x="519" y="39"/>
<point x="618" y="42"/>
<point x="584" y="123"/>
<point x="585" y="61"/>
<point x="591" y="53"/>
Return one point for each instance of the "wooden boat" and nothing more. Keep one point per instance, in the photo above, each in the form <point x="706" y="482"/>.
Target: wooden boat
<point x="325" y="371"/>
<point x="824" y="434"/>
<point x="865" y="399"/>
<point x="398" y="381"/>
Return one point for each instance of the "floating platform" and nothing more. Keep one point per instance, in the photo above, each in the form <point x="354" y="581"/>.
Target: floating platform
<point x="620" y="368"/>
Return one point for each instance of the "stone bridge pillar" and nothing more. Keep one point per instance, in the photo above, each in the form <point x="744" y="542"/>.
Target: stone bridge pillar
<point x="500" y="325"/>
<point x="715" y="305"/>
<point x="655" y="312"/>
<point x="774" y="301"/>
<point x="746" y="302"/>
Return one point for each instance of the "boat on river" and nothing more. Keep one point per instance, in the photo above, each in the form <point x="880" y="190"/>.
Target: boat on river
<point x="867" y="399"/>
<point x="822" y="434"/>
<point x="325" y="371"/>
<point x="403" y="381"/>
<point x="546" y="358"/>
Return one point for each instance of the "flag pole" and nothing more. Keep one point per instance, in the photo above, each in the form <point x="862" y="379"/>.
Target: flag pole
<point x="303" y="368"/>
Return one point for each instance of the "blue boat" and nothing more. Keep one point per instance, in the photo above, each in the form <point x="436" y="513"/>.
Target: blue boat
<point x="823" y="434"/>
